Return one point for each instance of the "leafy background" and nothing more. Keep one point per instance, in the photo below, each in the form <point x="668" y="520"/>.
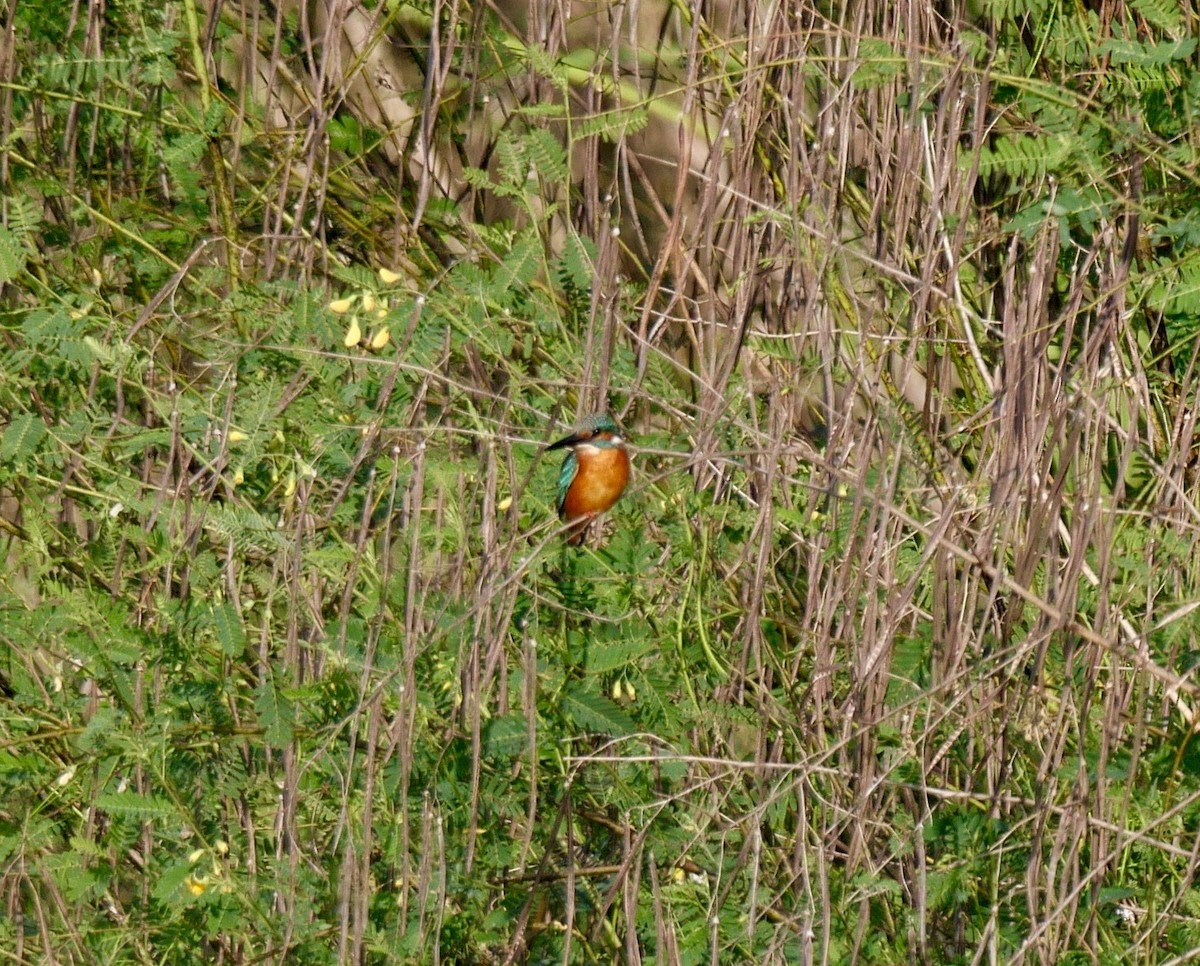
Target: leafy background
<point x="886" y="655"/>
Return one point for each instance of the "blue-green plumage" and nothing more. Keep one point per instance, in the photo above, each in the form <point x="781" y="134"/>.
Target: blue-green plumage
<point x="566" y="476"/>
<point x="594" y="473"/>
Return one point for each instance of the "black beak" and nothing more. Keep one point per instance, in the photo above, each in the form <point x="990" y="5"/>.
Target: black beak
<point x="565" y="441"/>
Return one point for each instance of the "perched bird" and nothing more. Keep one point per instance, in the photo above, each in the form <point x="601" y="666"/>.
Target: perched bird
<point x="593" y="475"/>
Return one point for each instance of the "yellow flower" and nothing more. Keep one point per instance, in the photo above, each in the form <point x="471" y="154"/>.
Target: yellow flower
<point x="381" y="338"/>
<point x="388" y="277"/>
<point x="340" y="306"/>
<point x="353" y="335"/>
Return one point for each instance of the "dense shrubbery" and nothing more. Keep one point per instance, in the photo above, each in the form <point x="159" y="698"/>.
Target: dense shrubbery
<point x="884" y="656"/>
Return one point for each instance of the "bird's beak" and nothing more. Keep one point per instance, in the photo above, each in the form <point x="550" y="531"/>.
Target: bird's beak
<point x="565" y="441"/>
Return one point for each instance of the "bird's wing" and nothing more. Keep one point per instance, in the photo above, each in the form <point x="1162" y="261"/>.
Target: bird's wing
<point x="565" y="477"/>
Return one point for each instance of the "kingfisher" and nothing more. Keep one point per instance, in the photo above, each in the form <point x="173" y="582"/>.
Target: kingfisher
<point x="593" y="475"/>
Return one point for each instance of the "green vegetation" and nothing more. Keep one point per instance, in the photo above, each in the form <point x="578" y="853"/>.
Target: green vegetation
<point x="885" y="656"/>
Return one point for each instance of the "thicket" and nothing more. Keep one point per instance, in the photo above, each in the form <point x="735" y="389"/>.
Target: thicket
<point x="886" y="655"/>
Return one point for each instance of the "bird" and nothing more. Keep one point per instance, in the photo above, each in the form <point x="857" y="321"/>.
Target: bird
<point x="594" y="474"/>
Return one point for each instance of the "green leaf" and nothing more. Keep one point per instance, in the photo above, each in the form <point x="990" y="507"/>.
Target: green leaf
<point x="506" y="736"/>
<point x="1161" y="14"/>
<point x="546" y="156"/>
<point x="275" y="714"/>
<point x="1025" y="157"/>
<point x="521" y="266"/>
<point x="613" y="655"/>
<point x="169" y="884"/>
<point x="13" y="255"/>
<point x="1143" y="54"/>
<point x="134" y="806"/>
<point x="228" y="627"/>
<point x="575" y="268"/>
<point x="596" y="714"/>
<point x="21" y="438"/>
<point x="878" y="63"/>
<point x="1177" y="289"/>
<point x="613" y="125"/>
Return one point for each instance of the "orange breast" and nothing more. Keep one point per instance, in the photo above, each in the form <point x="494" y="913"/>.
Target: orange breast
<point x="599" y="482"/>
